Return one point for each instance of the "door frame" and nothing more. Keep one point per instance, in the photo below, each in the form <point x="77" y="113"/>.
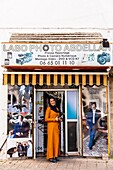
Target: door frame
<point x="79" y="142"/>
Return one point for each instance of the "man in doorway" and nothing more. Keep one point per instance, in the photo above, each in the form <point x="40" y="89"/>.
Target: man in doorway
<point x="92" y="117"/>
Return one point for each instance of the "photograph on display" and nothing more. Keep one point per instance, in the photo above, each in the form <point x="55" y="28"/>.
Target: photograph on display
<point x="19" y="111"/>
<point x="19" y="148"/>
<point x="94" y="121"/>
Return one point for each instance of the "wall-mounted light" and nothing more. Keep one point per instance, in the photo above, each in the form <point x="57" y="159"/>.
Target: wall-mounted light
<point x="105" y="43"/>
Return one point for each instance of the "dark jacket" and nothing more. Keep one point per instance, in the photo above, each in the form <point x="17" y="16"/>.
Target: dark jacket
<point x="23" y="129"/>
<point x="89" y="117"/>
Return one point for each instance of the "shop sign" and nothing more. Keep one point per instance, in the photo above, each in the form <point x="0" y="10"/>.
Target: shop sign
<point x="56" y="55"/>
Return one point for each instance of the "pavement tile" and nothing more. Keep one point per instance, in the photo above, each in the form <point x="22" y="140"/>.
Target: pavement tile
<point x="64" y="164"/>
<point x="109" y="167"/>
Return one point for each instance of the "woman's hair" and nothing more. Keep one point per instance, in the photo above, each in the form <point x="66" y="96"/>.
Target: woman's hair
<point x="51" y="97"/>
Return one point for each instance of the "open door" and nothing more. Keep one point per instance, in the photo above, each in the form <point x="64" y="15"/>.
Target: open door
<point x="42" y="102"/>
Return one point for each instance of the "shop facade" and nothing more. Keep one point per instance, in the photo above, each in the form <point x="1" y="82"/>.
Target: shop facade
<point x="76" y="75"/>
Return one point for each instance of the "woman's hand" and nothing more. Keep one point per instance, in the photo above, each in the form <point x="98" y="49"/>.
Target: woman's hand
<point x="60" y="119"/>
<point x="57" y="118"/>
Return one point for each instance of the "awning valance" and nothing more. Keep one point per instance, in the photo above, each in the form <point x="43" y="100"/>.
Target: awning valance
<point x="55" y="79"/>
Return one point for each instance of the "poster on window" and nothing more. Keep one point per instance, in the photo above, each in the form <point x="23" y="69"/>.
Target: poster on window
<point x="94" y="121"/>
<point x="19" y="107"/>
<point x="19" y="148"/>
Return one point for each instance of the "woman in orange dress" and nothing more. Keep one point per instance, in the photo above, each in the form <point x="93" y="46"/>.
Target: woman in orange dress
<point x="52" y="118"/>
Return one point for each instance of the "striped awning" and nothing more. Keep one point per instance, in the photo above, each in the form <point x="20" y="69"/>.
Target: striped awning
<point x="55" y="79"/>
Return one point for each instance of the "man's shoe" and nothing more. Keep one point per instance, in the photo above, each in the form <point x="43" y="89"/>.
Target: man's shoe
<point x="90" y="148"/>
<point x="53" y="160"/>
<point x="94" y="142"/>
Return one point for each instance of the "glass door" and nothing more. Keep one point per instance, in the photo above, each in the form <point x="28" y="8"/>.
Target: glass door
<point x="41" y="104"/>
<point x="71" y="119"/>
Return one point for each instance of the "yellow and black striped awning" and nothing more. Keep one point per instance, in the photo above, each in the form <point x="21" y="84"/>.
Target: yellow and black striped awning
<point x="55" y="79"/>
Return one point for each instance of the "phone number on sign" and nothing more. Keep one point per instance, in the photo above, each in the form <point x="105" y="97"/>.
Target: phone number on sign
<point x="55" y="63"/>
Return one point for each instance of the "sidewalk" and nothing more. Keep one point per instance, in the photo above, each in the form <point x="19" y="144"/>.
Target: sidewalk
<point x="65" y="163"/>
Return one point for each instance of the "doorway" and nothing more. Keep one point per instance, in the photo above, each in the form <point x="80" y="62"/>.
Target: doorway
<point x="67" y="102"/>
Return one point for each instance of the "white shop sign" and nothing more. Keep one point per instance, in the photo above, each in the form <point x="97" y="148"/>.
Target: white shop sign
<point x="56" y="55"/>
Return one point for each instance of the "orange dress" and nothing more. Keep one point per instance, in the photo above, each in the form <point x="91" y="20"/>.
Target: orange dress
<point x="53" y="133"/>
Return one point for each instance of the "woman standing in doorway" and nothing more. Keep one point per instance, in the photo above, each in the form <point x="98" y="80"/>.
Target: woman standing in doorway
<point x="53" y="122"/>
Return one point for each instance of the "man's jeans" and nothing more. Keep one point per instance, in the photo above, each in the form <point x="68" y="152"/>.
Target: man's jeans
<point x="92" y="131"/>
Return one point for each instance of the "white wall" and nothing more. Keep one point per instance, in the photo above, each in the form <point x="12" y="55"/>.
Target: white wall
<point x="3" y="110"/>
<point x="61" y="13"/>
<point x="3" y="120"/>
